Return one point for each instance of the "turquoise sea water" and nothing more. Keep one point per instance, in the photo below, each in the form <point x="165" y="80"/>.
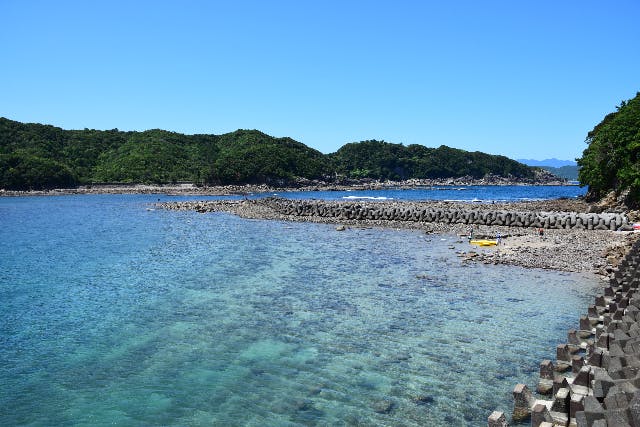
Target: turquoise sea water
<point x="115" y="314"/>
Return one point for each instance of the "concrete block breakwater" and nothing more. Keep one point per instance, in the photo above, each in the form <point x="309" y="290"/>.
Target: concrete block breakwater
<point x="354" y="211"/>
<point x="596" y="378"/>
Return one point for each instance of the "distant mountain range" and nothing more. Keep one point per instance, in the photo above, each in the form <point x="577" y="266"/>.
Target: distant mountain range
<point x="567" y="169"/>
<point x="554" y="163"/>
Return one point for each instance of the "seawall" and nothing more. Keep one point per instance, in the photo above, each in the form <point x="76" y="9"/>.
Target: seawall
<point x="471" y="216"/>
<point x="595" y="380"/>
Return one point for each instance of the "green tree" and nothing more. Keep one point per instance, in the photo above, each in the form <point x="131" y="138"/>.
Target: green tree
<point x="153" y="156"/>
<point x="384" y="160"/>
<point x="28" y="172"/>
<point x="250" y="156"/>
<point x="611" y="161"/>
<point x="86" y="156"/>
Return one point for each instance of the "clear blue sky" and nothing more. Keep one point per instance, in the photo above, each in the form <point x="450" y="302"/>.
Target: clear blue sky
<point x="527" y="79"/>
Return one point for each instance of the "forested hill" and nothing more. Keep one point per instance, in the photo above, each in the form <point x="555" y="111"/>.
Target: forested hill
<point x="384" y="160"/>
<point x="611" y="162"/>
<point x="36" y="156"/>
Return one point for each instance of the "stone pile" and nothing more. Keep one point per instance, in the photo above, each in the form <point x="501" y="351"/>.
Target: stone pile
<point x="595" y="381"/>
<point x="404" y="212"/>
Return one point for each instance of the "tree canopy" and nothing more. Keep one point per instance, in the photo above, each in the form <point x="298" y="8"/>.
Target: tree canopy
<point x="36" y="156"/>
<point x="611" y="161"/>
<point x="384" y="160"/>
<point x="254" y="157"/>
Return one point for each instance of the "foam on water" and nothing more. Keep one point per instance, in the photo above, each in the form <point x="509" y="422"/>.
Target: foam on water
<point x="367" y="198"/>
<point x="486" y="193"/>
<point x="115" y="314"/>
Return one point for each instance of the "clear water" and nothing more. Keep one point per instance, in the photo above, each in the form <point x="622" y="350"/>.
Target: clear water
<point x="471" y="193"/>
<point x="114" y="314"/>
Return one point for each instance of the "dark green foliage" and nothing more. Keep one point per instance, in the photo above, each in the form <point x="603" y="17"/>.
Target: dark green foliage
<point x="29" y="172"/>
<point x="371" y="159"/>
<point x="612" y="159"/>
<point x="41" y="156"/>
<point x="384" y="160"/>
<point x="83" y="149"/>
<point x="250" y="156"/>
<point x="153" y="156"/>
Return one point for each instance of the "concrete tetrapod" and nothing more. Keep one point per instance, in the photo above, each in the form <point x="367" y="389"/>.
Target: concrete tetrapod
<point x="603" y="386"/>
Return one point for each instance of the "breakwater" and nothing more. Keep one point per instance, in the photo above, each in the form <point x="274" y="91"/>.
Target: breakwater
<point x="596" y="378"/>
<point x="473" y="215"/>
<point x="588" y="244"/>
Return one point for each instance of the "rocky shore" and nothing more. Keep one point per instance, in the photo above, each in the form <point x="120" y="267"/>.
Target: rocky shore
<point x="566" y="249"/>
<point x="300" y="185"/>
<point x="595" y="378"/>
<point x="596" y="251"/>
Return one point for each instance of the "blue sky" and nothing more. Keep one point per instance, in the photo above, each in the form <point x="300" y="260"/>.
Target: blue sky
<point x="527" y="79"/>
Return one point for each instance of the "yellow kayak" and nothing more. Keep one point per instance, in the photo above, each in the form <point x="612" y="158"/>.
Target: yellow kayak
<point x="484" y="242"/>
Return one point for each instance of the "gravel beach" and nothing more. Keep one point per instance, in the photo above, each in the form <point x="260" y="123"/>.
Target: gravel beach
<point x="584" y="251"/>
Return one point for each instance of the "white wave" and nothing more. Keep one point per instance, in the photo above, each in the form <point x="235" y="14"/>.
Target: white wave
<point x="449" y="188"/>
<point x="476" y="200"/>
<point x="463" y="200"/>
<point x="367" y="197"/>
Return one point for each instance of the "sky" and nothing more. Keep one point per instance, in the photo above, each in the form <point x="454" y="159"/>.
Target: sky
<point x="525" y="79"/>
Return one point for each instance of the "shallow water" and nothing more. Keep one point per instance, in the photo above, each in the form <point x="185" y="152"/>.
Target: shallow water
<point x="112" y="313"/>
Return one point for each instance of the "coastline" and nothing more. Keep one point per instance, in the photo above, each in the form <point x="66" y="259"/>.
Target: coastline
<point x="177" y="265"/>
<point x="571" y="250"/>
<point x="190" y="189"/>
<point x="580" y="251"/>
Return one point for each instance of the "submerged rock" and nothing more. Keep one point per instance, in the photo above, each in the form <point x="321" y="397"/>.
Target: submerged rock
<point x="423" y="399"/>
<point x="383" y="406"/>
<point x="303" y="404"/>
<point x="402" y="356"/>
